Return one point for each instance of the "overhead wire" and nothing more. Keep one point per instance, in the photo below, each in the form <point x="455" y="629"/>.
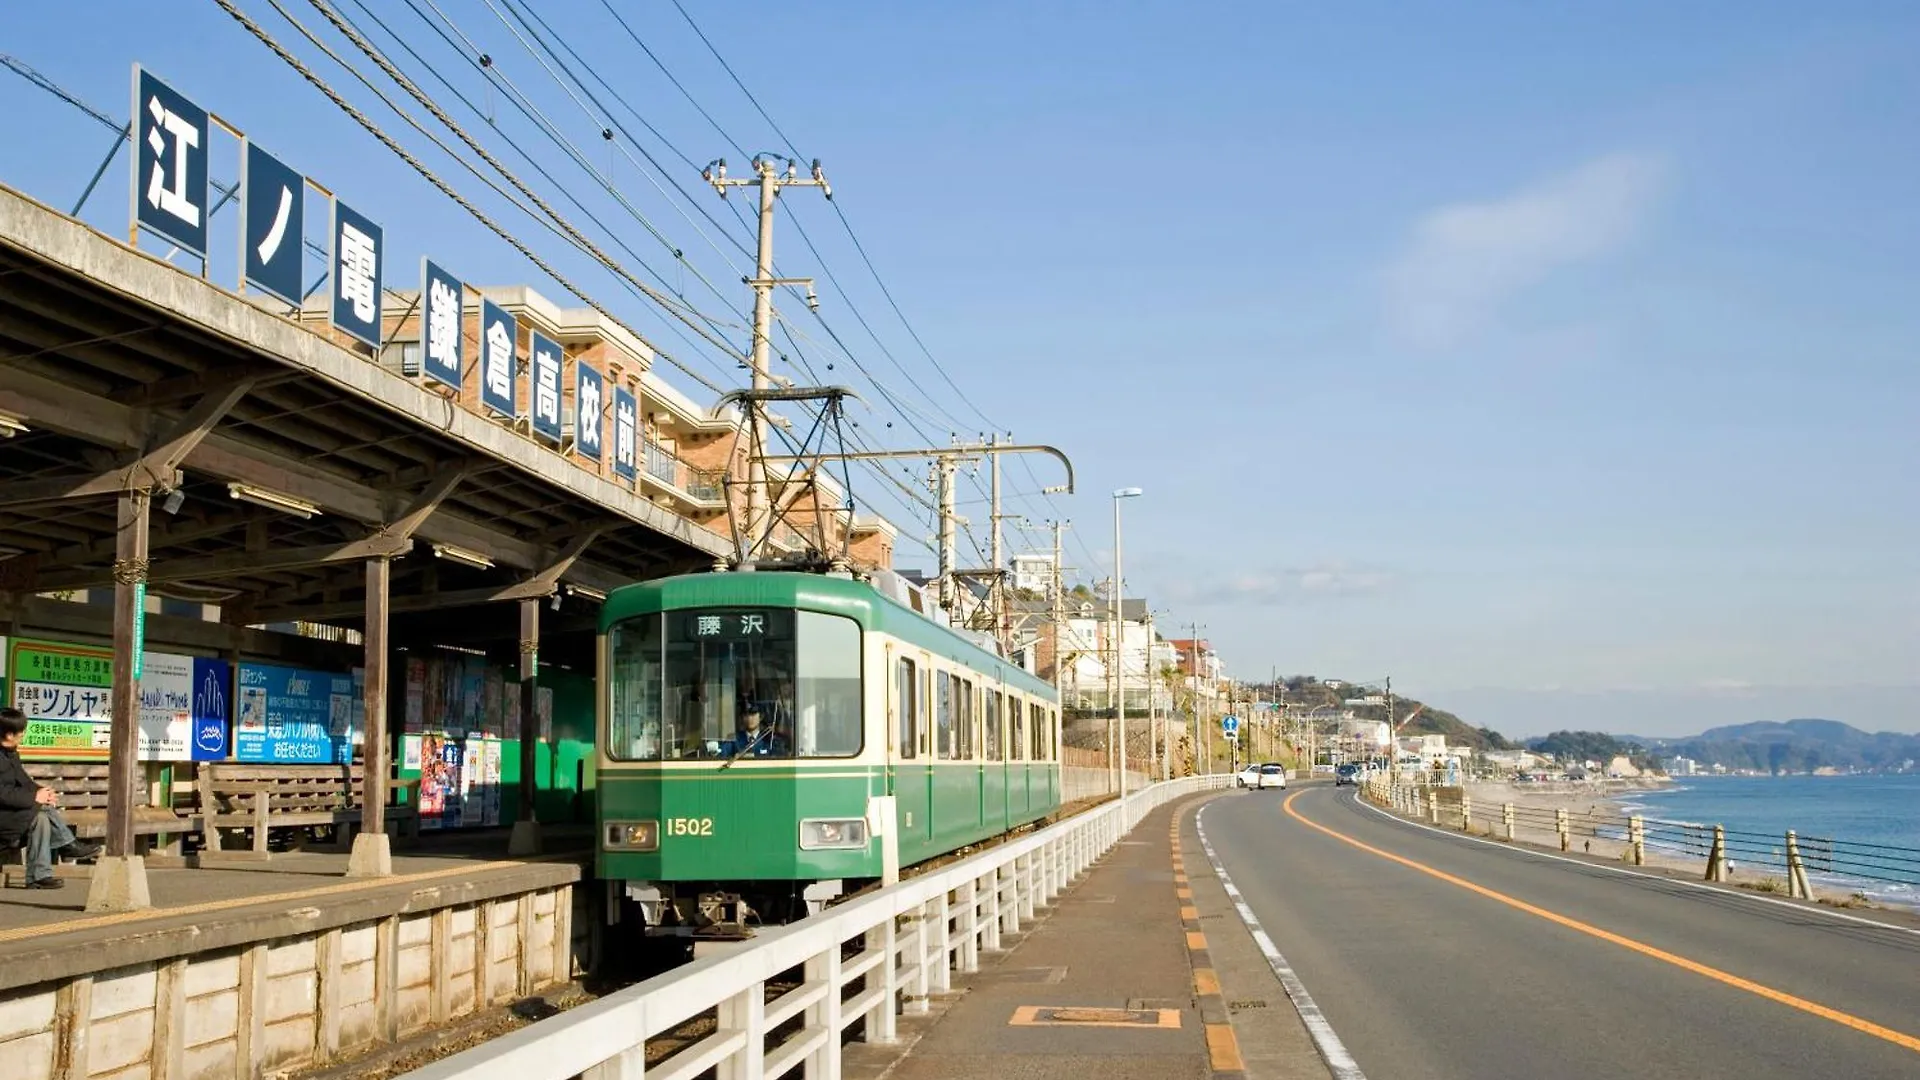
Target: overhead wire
<point x="840" y="213"/>
<point x="536" y="164"/>
<point x="261" y="34"/>
<point x="413" y="90"/>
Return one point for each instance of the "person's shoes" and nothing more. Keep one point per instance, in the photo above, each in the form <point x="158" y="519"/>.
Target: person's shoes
<point x="80" y="851"/>
<point x="47" y="883"/>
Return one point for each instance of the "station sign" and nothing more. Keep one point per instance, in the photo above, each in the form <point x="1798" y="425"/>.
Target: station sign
<point x="170" y="138"/>
<point x="626" y="454"/>
<point x="544" y="365"/>
<point x="442" y="337"/>
<point x="589" y="410"/>
<point x="273" y="199"/>
<point x="357" y="257"/>
<point x="499" y="337"/>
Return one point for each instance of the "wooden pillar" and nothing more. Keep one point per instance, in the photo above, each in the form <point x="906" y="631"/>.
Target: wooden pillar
<point x="119" y="882"/>
<point x="129" y="619"/>
<point x="372" y="851"/>
<point x="525" y="839"/>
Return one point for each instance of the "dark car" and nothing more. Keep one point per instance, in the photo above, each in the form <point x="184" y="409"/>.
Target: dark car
<point x="1346" y="774"/>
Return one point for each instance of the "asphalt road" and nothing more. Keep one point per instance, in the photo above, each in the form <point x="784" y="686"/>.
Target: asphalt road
<point x="1427" y="979"/>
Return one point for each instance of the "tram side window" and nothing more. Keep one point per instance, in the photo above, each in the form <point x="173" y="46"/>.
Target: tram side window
<point x="1053" y="734"/>
<point x="909" y="709"/>
<point x="1037" y="721"/>
<point x="963" y="722"/>
<point x="1016" y="729"/>
<point x="943" y="715"/>
<point x="993" y="725"/>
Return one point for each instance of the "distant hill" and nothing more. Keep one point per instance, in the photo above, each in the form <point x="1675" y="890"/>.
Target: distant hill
<point x="1432" y="721"/>
<point x="1577" y="746"/>
<point x="1796" y="746"/>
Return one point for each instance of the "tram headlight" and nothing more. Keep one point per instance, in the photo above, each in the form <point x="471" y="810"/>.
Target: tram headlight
<point x="633" y="835"/>
<point x="821" y="834"/>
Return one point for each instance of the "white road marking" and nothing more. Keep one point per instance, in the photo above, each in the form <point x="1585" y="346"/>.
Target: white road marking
<point x="1740" y="894"/>
<point x="1332" y="1050"/>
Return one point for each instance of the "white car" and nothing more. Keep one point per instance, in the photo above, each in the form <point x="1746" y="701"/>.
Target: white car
<point x="1269" y="775"/>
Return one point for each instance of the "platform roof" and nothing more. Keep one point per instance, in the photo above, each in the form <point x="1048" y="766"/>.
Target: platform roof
<point x="116" y="361"/>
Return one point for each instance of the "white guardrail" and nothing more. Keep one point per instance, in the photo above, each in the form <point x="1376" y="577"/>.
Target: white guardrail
<point x="912" y="937"/>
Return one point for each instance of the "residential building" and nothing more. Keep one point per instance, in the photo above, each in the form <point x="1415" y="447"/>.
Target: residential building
<point x="1033" y="574"/>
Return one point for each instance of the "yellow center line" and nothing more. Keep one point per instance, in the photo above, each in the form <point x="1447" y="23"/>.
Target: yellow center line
<point x="1868" y="1027"/>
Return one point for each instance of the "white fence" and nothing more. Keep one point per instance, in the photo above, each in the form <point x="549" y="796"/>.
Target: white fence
<point x="911" y="937"/>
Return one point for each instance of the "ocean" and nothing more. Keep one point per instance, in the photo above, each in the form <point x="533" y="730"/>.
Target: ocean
<point x="1855" y="810"/>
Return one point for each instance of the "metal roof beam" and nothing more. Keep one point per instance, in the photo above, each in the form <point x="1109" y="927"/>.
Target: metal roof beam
<point x="237" y="564"/>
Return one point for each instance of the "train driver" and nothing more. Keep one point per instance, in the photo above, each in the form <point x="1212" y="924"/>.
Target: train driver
<point x="755" y="738"/>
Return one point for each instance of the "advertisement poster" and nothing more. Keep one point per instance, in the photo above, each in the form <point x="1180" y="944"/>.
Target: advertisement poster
<point x="473" y="696"/>
<point x="414" y="718"/>
<point x="440" y="780"/>
<point x="473" y="780"/>
<point x="495" y="751"/>
<point x="295" y="716"/>
<point x="515" y="703"/>
<point x="495" y="722"/>
<point x="66" y="692"/>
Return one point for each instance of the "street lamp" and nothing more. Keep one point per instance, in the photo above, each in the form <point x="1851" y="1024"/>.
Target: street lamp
<point x="1119" y="653"/>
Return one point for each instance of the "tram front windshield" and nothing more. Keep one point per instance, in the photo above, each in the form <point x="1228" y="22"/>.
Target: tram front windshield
<point x="735" y="684"/>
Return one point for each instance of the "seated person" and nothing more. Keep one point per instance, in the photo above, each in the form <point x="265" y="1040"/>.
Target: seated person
<point x="30" y="814"/>
<point x="754" y="739"/>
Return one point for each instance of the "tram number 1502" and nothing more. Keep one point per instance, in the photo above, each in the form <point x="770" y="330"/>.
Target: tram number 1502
<point x="690" y="826"/>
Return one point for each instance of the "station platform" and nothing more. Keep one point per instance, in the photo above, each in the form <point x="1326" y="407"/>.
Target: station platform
<point x="1139" y="971"/>
<point x="278" y="965"/>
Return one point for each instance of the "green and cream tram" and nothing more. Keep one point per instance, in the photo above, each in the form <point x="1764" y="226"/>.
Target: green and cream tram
<point x="771" y="740"/>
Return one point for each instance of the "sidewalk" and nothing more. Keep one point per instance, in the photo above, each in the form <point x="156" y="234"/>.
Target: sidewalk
<point x="1116" y="981"/>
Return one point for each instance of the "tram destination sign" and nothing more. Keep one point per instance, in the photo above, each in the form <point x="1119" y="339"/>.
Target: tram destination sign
<point x="734" y="624"/>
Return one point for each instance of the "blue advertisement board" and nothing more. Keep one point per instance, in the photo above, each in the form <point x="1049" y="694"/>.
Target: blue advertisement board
<point x="444" y="339"/>
<point x="275" y="199"/>
<point x="169" y="163"/>
<point x="499" y="337"/>
<point x="357" y="269"/>
<point x="295" y="716"/>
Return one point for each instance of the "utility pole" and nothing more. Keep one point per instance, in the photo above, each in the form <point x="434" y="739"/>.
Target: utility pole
<point x="1059" y="604"/>
<point x="1202" y="738"/>
<point x="1393" y="734"/>
<point x="768" y="178"/>
<point x="943" y="471"/>
<point x="1002" y="601"/>
<point x="946" y="459"/>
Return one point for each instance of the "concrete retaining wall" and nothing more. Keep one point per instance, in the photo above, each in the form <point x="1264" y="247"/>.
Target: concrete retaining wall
<point x="286" y="1003"/>
<point x="1084" y="782"/>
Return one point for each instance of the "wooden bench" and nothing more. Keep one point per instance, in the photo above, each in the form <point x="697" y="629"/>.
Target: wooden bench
<point x="83" y="788"/>
<point x="261" y="798"/>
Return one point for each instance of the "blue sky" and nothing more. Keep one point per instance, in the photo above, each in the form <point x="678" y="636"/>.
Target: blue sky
<point x="1558" y="362"/>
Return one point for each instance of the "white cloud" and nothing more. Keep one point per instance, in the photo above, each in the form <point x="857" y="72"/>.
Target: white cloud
<point x="1465" y="260"/>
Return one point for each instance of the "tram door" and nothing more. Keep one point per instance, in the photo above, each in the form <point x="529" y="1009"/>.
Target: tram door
<point x="912" y="768"/>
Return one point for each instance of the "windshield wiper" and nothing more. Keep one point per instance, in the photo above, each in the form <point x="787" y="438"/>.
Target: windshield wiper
<point x="736" y="755"/>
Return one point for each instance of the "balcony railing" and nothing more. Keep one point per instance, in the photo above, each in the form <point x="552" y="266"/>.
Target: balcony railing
<point x="701" y="485"/>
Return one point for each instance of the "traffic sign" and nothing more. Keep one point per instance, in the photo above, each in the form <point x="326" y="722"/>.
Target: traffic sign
<point x="1230" y="724"/>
